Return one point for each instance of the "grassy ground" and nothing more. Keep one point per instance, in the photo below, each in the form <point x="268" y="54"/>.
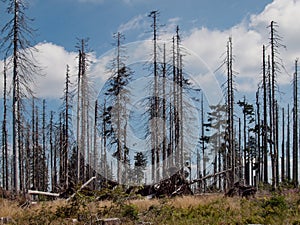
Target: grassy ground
<point x="206" y="209"/>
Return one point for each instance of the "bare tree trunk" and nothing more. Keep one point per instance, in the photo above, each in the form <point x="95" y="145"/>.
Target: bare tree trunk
<point x="4" y="134"/>
<point x="295" y="128"/>
<point x="258" y="135"/>
<point x="104" y="160"/>
<point x="78" y="121"/>
<point x="277" y="142"/>
<point x="45" y="172"/>
<point x="179" y="101"/>
<point x="283" y="149"/>
<point x="265" y="125"/>
<point x="126" y="154"/>
<point x="154" y="107"/>
<point x="230" y="103"/>
<point x="240" y="151"/>
<point x="88" y="129"/>
<point x="164" y="116"/>
<point x="288" y="158"/>
<point x="182" y="159"/>
<point x="118" y="103"/>
<point x="246" y="156"/>
<point x="66" y="138"/>
<point x="38" y="150"/>
<point x="51" y="151"/>
<point x="27" y="158"/>
<point x="271" y="115"/>
<point x="203" y="144"/>
<point x="19" y="47"/>
<point x="95" y="154"/>
<point x="33" y="156"/>
<point x="20" y="146"/>
<point x="61" y="155"/>
<point x="15" y="97"/>
<point x="275" y="44"/>
<point x="55" y="157"/>
<point x="82" y="113"/>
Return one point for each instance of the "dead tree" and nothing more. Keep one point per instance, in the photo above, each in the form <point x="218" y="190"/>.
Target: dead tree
<point x="65" y="129"/>
<point x="5" y="165"/>
<point x="43" y="154"/>
<point x="95" y="136"/>
<point x="258" y="139"/>
<point x="118" y="130"/>
<point x="51" y="149"/>
<point x="83" y="93"/>
<point x="164" y="113"/>
<point x="265" y="122"/>
<point x="270" y="101"/>
<point x="295" y="126"/>
<point x="155" y="150"/>
<point x="17" y="42"/>
<point x="248" y="113"/>
<point x="273" y="102"/>
<point x="203" y="144"/>
<point x="274" y="69"/>
<point x="230" y="113"/>
<point x="115" y="108"/>
<point x="288" y="157"/>
<point x="283" y="149"/>
<point x="277" y="141"/>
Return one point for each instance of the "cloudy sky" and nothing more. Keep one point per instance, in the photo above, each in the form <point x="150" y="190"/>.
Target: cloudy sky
<point x="204" y="26"/>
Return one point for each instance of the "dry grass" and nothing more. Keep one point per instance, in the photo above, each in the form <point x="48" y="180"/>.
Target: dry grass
<point x="194" y="201"/>
<point x="144" y="204"/>
<point x="178" y="202"/>
<point x="12" y="210"/>
<point x="9" y="209"/>
<point x="210" y="209"/>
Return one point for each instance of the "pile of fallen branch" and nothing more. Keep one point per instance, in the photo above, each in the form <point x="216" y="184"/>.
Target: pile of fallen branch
<point x="175" y="185"/>
<point x="241" y="190"/>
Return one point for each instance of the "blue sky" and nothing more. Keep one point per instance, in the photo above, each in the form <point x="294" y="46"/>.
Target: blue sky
<point x="62" y="21"/>
<point x="205" y="27"/>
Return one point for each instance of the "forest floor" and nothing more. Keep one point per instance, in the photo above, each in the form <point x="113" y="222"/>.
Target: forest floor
<point x="265" y="208"/>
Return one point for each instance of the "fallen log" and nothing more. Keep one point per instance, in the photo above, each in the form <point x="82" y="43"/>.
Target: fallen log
<point x="34" y="192"/>
<point x="209" y="176"/>
<point x="83" y="186"/>
<point x="109" y="221"/>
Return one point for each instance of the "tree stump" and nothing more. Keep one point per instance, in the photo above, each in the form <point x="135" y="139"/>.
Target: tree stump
<point x="109" y="221"/>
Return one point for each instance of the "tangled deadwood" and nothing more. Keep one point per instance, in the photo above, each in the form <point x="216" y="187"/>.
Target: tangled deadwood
<point x="174" y="185"/>
<point x="241" y="190"/>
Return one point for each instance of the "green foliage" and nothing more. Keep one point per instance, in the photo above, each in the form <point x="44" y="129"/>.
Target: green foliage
<point x="71" y="210"/>
<point x="130" y="211"/>
<point x="275" y="209"/>
<point x="140" y="164"/>
<point x="44" y="216"/>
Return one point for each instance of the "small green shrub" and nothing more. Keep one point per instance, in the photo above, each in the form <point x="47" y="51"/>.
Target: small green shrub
<point x="130" y="211"/>
<point x="275" y="209"/>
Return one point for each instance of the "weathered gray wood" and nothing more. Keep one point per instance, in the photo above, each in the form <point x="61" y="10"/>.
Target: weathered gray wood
<point x="109" y="221"/>
<point x="84" y="185"/>
<point x="6" y="220"/>
<point x="33" y="192"/>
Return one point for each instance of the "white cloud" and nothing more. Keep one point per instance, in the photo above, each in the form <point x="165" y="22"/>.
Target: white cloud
<point x="53" y="60"/>
<point x="248" y="38"/>
<point x="135" y="23"/>
<point x="208" y="45"/>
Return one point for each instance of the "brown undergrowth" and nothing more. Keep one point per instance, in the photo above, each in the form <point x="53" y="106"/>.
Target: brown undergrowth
<point x="200" y="209"/>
